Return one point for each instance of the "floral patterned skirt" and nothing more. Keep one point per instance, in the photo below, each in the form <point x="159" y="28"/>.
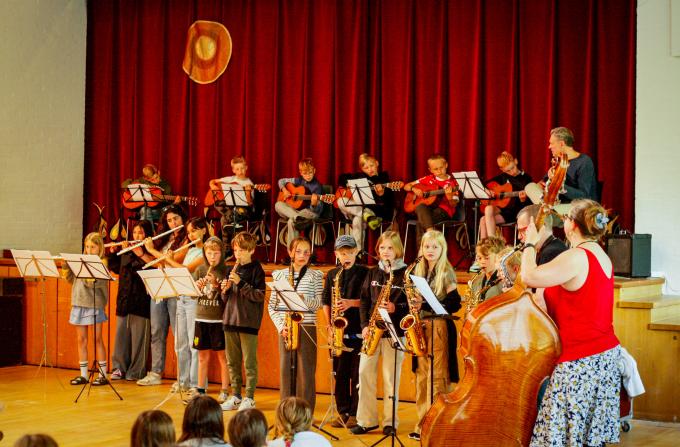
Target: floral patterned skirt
<point x="581" y="404"/>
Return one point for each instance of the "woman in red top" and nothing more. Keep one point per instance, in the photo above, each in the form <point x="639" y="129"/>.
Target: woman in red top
<point x="581" y="404"/>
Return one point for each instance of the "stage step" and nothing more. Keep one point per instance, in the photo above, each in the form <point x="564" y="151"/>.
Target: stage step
<point x="660" y="306"/>
<point x="666" y="324"/>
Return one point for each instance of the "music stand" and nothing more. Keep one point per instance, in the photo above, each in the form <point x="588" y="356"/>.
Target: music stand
<point x="168" y="283"/>
<point x="473" y="189"/>
<point x="39" y="265"/>
<point x="292" y="302"/>
<point x="90" y="267"/>
<point x="397" y="345"/>
<point x="233" y="196"/>
<point x="440" y="312"/>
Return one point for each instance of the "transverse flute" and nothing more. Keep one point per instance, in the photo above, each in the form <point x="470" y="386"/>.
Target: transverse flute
<point x="132" y="247"/>
<point x="165" y="256"/>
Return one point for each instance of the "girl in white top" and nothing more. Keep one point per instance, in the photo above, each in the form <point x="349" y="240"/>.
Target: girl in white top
<point x="309" y="283"/>
<point x="291" y="428"/>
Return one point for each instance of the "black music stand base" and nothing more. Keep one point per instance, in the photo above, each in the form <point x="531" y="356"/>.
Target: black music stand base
<point x="94" y="369"/>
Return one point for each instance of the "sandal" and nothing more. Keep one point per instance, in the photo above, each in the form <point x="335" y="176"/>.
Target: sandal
<point x="99" y="381"/>
<point x="80" y="380"/>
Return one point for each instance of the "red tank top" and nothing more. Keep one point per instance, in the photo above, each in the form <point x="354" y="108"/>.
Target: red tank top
<point x="584" y="317"/>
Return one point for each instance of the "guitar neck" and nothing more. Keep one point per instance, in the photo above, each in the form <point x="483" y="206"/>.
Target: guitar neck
<point x="436" y="192"/>
<point x="505" y="195"/>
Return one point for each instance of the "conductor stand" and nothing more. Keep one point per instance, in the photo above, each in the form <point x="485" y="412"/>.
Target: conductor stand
<point x="168" y="283"/>
<point x="397" y="345"/>
<point x="39" y="265"/>
<point x="473" y="189"/>
<point x="90" y="267"/>
<point x="291" y="303"/>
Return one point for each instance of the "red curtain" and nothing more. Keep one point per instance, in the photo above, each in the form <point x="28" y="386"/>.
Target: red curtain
<point x="400" y="79"/>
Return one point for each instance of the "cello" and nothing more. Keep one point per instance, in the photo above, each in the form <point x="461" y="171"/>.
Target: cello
<point x="509" y="347"/>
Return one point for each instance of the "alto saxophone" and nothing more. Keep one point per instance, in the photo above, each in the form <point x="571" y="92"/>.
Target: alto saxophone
<point x="293" y="320"/>
<point x="338" y="320"/>
<point x="474" y="298"/>
<point x="411" y="324"/>
<point x="376" y="325"/>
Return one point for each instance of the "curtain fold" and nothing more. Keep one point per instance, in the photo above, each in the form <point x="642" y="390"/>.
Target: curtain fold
<point x="400" y="79"/>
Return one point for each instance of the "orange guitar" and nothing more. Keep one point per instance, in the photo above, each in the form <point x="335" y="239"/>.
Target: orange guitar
<point x="347" y="192"/>
<point x="210" y="196"/>
<point x="430" y="194"/>
<point x="158" y="197"/>
<point x="298" y="195"/>
<point x="501" y="193"/>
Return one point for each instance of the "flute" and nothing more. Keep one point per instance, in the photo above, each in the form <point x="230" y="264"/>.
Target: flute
<point x="132" y="247"/>
<point x="114" y="244"/>
<point x="165" y="256"/>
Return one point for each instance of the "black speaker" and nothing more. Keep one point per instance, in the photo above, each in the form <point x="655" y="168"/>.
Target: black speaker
<point x="631" y="254"/>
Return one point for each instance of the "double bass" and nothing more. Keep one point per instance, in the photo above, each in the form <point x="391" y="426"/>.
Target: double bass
<point x="509" y="347"/>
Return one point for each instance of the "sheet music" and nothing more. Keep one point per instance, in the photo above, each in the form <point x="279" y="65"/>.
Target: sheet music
<point x="139" y="192"/>
<point x="169" y="282"/>
<point x="288" y="296"/>
<point x="95" y="266"/>
<point x="361" y="191"/>
<point x="427" y="293"/>
<point x="35" y="263"/>
<point x="471" y="185"/>
<point x="390" y="328"/>
<point x="239" y="197"/>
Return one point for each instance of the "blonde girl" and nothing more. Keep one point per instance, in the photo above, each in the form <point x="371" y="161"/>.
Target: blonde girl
<point x="292" y="424"/>
<point x="439" y="333"/>
<point x="88" y="300"/>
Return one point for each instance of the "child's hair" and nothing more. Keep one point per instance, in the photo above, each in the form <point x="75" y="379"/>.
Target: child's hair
<point x="365" y="158"/>
<point x="200" y="223"/>
<point x="490" y="245"/>
<point x="97" y="239"/>
<point x="248" y="428"/>
<point x="213" y="243"/>
<point x="180" y="234"/>
<point x="149" y="170"/>
<point x="36" y="440"/>
<point x="563" y="134"/>
<point x="306" y="163"/>
<point x="202" y="419"/>
<point x="153" y="428"/>
<point x="244" y="241"/>
<point x="444" y="273"/>
<point x="435" y="157"/>
<point x="239" y="159"/>
<point x="590" y="218"/>
<point x="394" y="238"/>
<point x="297" y="241"/>
<point x="293" y="415"/>
<point x="146" y="227"/>
<point x="505" y="158"/>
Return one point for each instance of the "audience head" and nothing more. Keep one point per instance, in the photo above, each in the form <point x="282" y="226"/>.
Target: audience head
<point x="94" y="244"/>
<point x="248" y="428"/>
<point x="293" y="415"/>
<point x="153" y="428"/>
<point x="389" y="246"/>
<point x="588" y="218"/>
<point x="36" y="440"/>
<point x="202" y="419"/>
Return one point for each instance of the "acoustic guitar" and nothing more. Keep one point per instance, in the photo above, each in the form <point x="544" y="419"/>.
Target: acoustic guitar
<point x="299" y="195"/>
<point x="212" y="194"/>
<point x="430" y="194"/>
<point x="501" y="193"/>
<point x="346" y="193"/>
<point x="158" y="198"/>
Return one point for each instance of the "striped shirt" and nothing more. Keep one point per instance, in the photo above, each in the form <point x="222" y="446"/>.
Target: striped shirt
<point x="311" y="288"/>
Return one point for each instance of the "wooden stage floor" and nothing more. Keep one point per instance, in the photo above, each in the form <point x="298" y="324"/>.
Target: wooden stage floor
<point x="34" y="401"/>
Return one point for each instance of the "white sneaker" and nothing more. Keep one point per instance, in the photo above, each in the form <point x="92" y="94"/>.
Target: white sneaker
<point x="231" y="404"/>
<point x="247" y="403"/>
<point x="222" y="397"/>
<point x="151" y="378"/>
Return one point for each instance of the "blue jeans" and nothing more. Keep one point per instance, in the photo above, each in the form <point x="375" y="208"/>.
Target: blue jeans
<point x="187" y="356"/>
<point x="162" y="315"/>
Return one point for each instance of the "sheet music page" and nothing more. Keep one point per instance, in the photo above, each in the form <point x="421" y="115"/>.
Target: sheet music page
<point x="95" y="267"/>
<point x="288" y="297"/>
<point x="169" y="282"/>
<point x="239" y="195"/>
<point x="471" y="185"/>
<point x="139" y="192"/>
<point x="427" y="293"/>
<point x="43" y="266"/>
<point x="361" y="191"/>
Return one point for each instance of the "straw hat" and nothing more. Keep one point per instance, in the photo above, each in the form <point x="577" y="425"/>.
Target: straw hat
<point x="207" y="52"/>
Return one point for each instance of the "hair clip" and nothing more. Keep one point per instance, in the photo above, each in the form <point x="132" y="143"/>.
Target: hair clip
<point x="601" y="220"/>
